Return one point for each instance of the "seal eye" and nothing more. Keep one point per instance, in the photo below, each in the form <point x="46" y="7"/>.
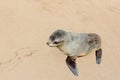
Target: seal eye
<point x="56" y="42"/>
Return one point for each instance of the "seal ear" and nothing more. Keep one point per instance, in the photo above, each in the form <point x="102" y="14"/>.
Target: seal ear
<point x="71" y="63"/>
<point x="98" y="54"/>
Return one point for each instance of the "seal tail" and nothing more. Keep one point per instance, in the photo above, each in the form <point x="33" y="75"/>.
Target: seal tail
<point x="71" y="63"/>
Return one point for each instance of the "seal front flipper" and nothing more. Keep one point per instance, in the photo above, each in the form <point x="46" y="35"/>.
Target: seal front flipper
<point x="98" y="54"/>
<point x="71" y="63"/>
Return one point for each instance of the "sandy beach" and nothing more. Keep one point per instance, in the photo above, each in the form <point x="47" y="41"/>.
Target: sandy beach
<point x="25" y="26"/>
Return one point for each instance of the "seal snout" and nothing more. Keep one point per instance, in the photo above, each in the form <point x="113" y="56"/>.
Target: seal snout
<point x="47" y="43"/>
<point x="50" y="44"/>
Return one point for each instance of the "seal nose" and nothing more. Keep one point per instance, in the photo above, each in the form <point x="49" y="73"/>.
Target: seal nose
<point x="47" y="43"/>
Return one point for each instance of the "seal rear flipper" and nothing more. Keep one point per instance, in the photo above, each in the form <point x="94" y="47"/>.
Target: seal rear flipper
<point x="71" y="63"/>
<point x="98" y="54"/>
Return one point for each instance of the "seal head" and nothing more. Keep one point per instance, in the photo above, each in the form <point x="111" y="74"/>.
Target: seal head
<point x="57" y="38"/>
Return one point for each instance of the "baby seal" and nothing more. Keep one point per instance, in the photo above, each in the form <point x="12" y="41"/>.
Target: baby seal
<point x="74" y="44"/>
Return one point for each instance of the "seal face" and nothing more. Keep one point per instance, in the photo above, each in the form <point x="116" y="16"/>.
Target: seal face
<point x="56" y="38"/>
<point x="74" y="44"/>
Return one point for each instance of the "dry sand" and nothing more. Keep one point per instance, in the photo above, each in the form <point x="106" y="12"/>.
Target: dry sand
<point x="25" y="26"/>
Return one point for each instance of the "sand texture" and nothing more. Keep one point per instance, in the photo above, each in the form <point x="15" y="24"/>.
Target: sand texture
<point x="25" y="26"/>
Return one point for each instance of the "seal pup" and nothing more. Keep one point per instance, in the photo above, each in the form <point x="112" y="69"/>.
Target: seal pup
<point x="74" y="44"/>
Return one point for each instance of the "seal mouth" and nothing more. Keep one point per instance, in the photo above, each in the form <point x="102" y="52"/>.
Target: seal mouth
<point x="54" y="44"/>
<point x="50" y="44"/>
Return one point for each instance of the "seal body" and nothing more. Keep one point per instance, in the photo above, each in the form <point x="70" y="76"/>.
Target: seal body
<point x="78" y="43"/>
<point x="74" y="45"/>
